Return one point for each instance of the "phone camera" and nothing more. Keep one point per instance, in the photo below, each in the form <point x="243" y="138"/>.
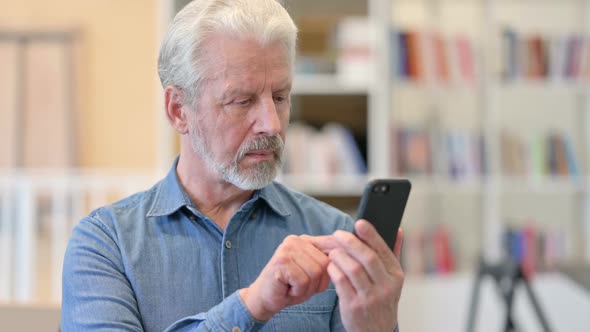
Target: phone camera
<point x="381" y="188"/>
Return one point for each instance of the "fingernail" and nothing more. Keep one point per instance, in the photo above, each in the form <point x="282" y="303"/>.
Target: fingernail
<point x="362" y="225"/>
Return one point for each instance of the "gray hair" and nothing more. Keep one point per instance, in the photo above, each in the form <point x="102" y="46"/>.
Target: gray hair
<point x="180" y="62"/>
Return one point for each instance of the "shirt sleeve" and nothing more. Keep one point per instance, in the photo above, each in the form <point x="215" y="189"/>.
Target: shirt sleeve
<point x="98" y="296"/>
<point x="229" y="315"/>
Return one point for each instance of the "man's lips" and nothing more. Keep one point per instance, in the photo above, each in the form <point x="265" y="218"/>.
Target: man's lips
<point x="261" y="154"/>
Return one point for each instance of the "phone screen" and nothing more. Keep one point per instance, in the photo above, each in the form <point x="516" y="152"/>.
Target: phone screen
<point x="383" y="204"/>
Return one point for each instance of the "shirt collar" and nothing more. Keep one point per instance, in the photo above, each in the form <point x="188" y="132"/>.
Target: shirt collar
<point x="170" y="196"/>
<point x="271" y="195"/>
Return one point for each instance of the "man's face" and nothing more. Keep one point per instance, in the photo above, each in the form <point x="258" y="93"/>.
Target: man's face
<point x="242" y="111"/>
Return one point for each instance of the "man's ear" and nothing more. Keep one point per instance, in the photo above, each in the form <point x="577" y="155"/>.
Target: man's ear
<point x="173" y="102"/>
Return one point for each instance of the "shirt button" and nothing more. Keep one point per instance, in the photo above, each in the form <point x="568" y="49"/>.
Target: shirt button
<point x="236" y="329"/>
<point x="192" y="218"/>
<point x="228" y="246"/>
<point x="253" y="215"/>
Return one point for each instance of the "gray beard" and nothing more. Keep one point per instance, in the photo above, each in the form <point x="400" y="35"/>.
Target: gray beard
<point x="255" y="177"/>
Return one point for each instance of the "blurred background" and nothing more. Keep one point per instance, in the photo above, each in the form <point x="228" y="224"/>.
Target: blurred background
<point x="483" y="104"/>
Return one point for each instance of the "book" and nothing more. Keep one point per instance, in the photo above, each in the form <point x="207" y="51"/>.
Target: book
<point x="401" y="52"/>
<point x="530" y="251"/>
<point x="557" y="57"/>
<point x="414" y="151"/>
<point x="535" y="248"/>
<point x="557" y="155"/>
<point x="443" y="256"/>
<point x="510" y="54"/>
<point x="414" y="254"/>
<point x="356" y="37"/>
<point x="537" y="164"/>
<point x="570" y="155"/>
<point x="537" y="58"/>
<point x="415" y="55"/>
<point x="330" y="151"/>
<point x="513" y="153"/>
<point x="347" y="152"/>
<point x="441" y="64"/>
<point x="466" y="59"/>
<point x="573" y="57"/>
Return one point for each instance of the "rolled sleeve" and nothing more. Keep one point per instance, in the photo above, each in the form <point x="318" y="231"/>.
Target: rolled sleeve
<point x="229" y="315"/>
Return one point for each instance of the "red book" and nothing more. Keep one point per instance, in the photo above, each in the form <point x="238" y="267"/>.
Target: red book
<point x="529" y="255"/>
<point x="537" y="59"/>
<point x="414" y="47"/>
<point x="443" y="257"/>
<point x="466" y="59"/>
<point x="574" y="53"/>
<point x="440" y="58"/>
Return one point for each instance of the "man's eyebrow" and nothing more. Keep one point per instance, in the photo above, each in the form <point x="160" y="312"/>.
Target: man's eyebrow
<point x="232" y="91"/>
<point x="286" y="86"/>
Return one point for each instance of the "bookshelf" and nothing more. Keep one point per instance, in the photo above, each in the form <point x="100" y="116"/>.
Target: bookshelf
<point x="458" y="106"/>
<point x="537" y="102"/>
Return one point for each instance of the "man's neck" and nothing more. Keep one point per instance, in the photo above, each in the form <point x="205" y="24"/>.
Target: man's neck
<point x="215" y="198"/>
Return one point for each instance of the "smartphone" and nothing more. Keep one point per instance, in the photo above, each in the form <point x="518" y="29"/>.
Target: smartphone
<point x="383" y="204"/>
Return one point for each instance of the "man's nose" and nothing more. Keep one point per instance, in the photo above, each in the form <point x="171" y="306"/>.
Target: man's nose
<point x="267" y="120"/>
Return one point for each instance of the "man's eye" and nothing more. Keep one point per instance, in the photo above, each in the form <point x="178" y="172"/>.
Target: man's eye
<point x="280" y="99"/>
<point x="243" y="102"/>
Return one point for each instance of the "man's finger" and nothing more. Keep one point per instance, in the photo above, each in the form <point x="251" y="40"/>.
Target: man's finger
<point x="354" y="270"/>
<point x="294" y="278"/>
<point x="367" y="232"/>
<point x="343" y="286"/>
<point x="397" y="250"/>
<point x="325" y="243"/>
<point x="314" y="263"/>
<point x="363" y="254"/>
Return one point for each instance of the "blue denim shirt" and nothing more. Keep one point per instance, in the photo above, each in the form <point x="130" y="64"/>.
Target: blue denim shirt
<point x="153" y="262"/>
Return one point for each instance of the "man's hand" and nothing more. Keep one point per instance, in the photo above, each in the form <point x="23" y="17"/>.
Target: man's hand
<point x="367" y="276"/>
<point x="296" y="272"/>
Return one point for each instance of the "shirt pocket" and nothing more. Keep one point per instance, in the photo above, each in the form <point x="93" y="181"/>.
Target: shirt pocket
<point x="311" y="315"/>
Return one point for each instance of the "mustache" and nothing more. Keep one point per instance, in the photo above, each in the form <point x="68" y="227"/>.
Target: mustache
<point x="274" y="143"/>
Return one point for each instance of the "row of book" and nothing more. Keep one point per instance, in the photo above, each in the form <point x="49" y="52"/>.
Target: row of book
<point x="536" y="249"/>
<point x="429" y="251"/>
<point x="433" y="250"/>
<point x="535" y="56"/>
<point x="419" y="55"/>
<point x="461" y="154"/>
<point x="331" y="150"/>
<point x="458" y="154"/>
<point x="416" y="55"/>
<point x="432" y="55"/>
<point x="549" y="155"/>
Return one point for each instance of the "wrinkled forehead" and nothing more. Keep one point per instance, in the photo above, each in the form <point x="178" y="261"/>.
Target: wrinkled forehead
<point x="232" y="56"/>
